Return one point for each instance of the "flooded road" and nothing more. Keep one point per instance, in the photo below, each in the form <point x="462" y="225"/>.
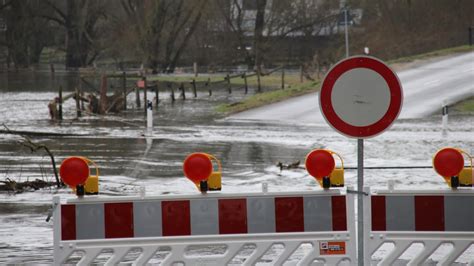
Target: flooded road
<point x="248" y="150"/>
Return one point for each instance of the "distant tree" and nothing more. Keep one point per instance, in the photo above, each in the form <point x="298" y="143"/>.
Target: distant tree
<point x="26" y="35"/>
<point x="80" y="20"/>
<point x="162" y="29"/>
<point x="397" y="28"/>
<point x="262" y="22"/>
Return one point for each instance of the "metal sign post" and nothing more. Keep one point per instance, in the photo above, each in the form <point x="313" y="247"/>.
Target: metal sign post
<point x="360" y="98"/>
<point x="360" y="202"/>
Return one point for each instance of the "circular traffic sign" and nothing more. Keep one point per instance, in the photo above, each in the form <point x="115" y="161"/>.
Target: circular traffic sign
<point x="448" y="162"/>
<point x="74" y="171"/>
<point x="360" y="97"/>
<point x="197" y="167"/>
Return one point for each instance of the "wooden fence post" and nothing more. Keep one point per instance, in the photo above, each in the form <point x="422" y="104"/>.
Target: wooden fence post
<point x="301" y="73"/>
<point x="60" y="109"/>
<point x="172" y="92"/>
<point x="282" y="78"/>
<point x="258" y="81"/>
<point x="157" y="94"/>
<point x="245" y="82"/>
<point x="228" y="84"/>
<point x="124" y="88"/>
<point x="78" y="105"/>
<point x="208" y="83"/>
<point x="137" y="97"/>
<point x="145" y="96"/>
<point x="183" y="94"/>
<point x="194" y="87"/>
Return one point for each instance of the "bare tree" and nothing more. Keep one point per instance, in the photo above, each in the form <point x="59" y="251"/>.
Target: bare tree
<point x="163" y="29"/>
<point x="79" y="18"/>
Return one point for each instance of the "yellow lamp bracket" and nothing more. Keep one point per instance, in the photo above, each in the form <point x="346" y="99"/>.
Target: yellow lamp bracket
<point x="91" y="187"/>
<point x="214" y="181"/>
<point x="466" y="176"/>
<point x="336" y="177"/>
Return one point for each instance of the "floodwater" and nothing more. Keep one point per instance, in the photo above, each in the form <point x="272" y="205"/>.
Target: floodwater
<point x="129" y="161"/>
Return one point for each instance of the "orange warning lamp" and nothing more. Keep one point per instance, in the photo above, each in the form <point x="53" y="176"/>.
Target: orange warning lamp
<point x="449" y="163"/>
<point x="198" y="168"/>
<point x="75" y="172"/>
<point x="321" y="165"/>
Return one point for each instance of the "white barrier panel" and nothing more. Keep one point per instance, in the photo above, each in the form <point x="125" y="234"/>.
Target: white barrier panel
<point x="209" y="229"/>
<point x="429" y="219"/>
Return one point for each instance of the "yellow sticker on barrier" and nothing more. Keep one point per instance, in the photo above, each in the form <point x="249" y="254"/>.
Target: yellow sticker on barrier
<point x="332" y="248"/>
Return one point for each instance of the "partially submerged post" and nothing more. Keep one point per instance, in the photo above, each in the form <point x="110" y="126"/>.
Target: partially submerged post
<point x="145" y="98"/>
<point x="149" y="118"/>
<point x="60" y="102"/>
<point x="137" y="96"/>
<point x="124" y="89"/>
<point x="172" y="92"/>
<point x="194" y="88"/>
<point x="157" y="94"/>
<point x="181" y="88"/>
<point x="103" y="103"/>
<point x="208" y="83"/>
<point x="78" y="105"/>
<point x="228" y="83"/>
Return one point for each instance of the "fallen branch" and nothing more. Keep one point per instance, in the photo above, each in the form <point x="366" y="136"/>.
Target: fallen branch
<point x="19" y="187"/>
<point x="35" y="147"/>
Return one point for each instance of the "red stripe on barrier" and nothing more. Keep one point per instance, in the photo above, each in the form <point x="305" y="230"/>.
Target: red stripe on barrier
<point x="232" y="216"/>
<point x="339" y="219"/>
<point x="379" y="214"/>
<point x="176" y="218"/>
<point x="118" y="218"/>
<point x="289" y="214"/>
<point x="429" y="213"/>
<point x="68" y="222"/>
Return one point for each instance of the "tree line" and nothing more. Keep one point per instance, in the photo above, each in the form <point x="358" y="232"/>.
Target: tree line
<point x="162" y="34"/>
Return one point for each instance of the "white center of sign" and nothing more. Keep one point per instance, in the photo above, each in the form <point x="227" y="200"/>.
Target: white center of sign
<point x="367" y="100"/>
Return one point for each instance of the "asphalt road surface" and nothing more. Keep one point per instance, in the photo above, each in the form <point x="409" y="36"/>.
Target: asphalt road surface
<point x="425" y="88"/>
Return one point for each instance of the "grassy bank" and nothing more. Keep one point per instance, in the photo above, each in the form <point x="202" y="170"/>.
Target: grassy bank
<point x="265" y="98"/>
<point x="465" y="106"/>
<point x="437" y="53"/>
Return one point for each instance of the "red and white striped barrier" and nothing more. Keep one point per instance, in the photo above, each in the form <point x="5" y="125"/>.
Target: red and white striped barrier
<point x="430" y="218"/>
<point x="322" y="219"/>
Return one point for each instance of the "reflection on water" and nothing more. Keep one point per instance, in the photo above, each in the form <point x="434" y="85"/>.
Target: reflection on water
<point x="248" y="151"/>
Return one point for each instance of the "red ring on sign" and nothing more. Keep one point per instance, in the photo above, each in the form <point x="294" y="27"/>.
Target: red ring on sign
<point x="365" y="131"/>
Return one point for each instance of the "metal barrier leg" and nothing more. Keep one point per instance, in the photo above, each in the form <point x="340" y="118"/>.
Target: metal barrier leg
<point x="289" y="249"/>
<point x="458" y="249"/>
<point x="260" y="249"/>
<point x="428" y="249"/>
<point x="400" y="247"/>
